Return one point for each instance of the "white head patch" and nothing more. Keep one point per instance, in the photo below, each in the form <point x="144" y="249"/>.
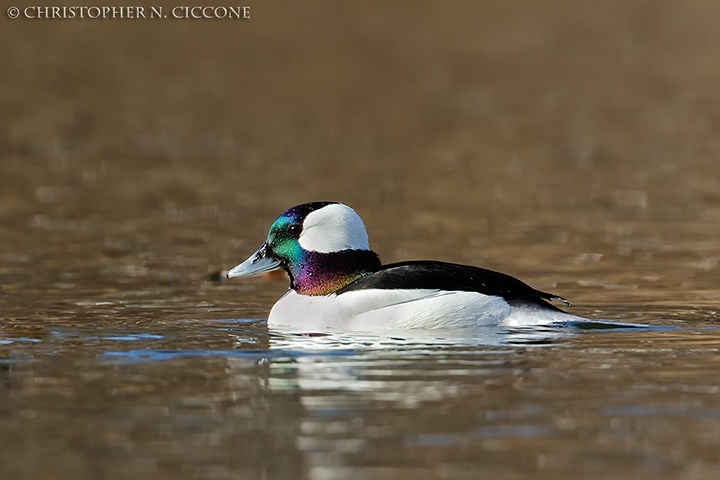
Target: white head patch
<point x="333" y="228"/>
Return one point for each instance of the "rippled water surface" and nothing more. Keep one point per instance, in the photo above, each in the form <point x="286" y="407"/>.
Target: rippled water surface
<point x="571" y="144"/>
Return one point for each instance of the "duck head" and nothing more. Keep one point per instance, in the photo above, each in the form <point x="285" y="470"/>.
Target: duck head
<point x="323" y="246"/>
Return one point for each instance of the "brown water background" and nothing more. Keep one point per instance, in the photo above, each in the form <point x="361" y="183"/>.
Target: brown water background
<point x="573" y="144"/>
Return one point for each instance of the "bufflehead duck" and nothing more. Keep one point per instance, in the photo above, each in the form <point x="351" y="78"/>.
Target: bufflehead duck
<point x="336" y="281"/>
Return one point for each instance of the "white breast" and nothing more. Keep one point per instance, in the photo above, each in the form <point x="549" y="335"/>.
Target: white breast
<point x="367" y="310"/>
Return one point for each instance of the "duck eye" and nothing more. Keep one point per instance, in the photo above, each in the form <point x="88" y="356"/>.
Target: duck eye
<point x="295" y="230"/>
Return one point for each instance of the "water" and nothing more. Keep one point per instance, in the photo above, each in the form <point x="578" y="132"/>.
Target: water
<point x="571" y="144"/>
<point x="228" y="399"/>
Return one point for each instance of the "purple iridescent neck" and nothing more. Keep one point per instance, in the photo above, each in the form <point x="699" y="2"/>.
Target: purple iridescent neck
<point x="325" y="273"/>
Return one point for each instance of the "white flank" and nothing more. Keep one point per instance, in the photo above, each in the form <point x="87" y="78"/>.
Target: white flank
<point x="333" y="228"/>
<point x="369" y="310"/>
<point x="376" y="309"/>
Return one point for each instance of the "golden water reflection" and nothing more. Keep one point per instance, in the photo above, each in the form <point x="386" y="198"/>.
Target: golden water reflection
<point x="572" y="144"/>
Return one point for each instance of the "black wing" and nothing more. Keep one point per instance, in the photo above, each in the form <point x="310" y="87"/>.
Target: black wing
<point x="427" y="274"/>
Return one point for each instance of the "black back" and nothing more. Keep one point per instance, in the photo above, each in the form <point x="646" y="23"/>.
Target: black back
<point x="432" y="275"/>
